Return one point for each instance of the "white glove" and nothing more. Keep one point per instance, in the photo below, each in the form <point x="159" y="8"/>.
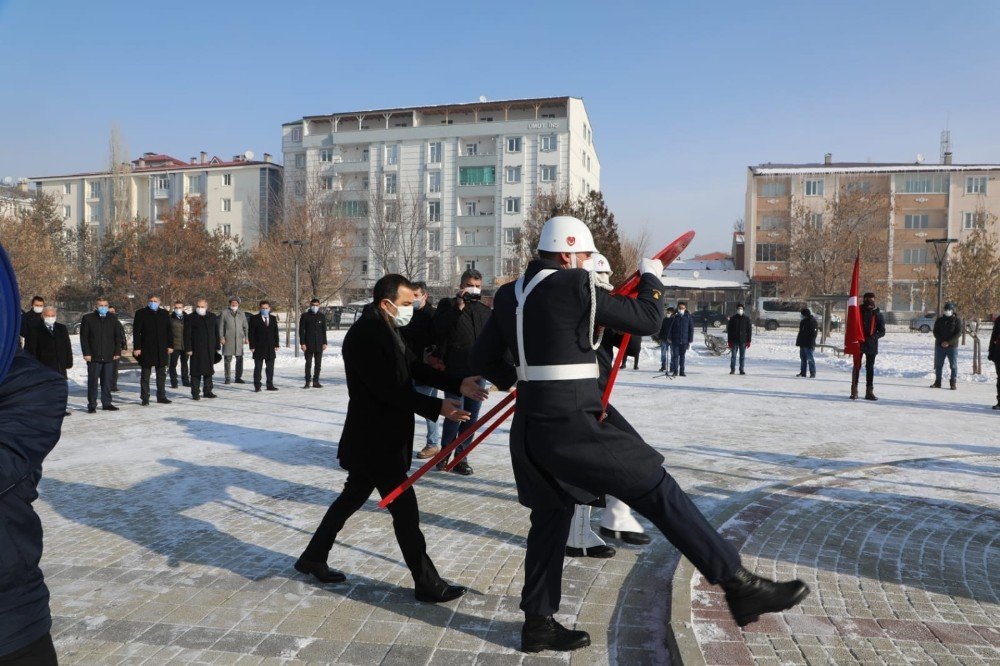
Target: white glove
<point x="654" y="266"/>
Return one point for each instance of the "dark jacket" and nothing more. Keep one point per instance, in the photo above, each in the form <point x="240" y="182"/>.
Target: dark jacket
<point x="177" y="330"/>
<point x="456" y="331"/>
<point x="873" y="325"/>
<point x="948" y="329"/>
<point x="263" y="339"/>
<point x="739" y="330"/>
<point x="32" y="407"/>
<point x="808" y="330"/>
<point x="152" y="335"/>
<point x="101" y="338"/>
<point x="419" y="334"/>
<point x="53" y="349"/>
<point x="378" y="430"/>
<point x="28" y="320"/>
<point x="201" y="340"/>
<point x="312" y="331"/>
<point x="993" y="353"/>
<point x="681" y="330"/>
<point x="664" y="332"/>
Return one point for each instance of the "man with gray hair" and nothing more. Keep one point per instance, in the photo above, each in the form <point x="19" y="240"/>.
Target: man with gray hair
<point x="233" y="334"/>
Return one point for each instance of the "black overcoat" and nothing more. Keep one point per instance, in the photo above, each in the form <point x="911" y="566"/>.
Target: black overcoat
<point x="808" y="329"/>
<point x="152" y="335"/>
<point x="873" y="325"/>
<point x="201" y="339"/>
<point x="263" y="339"/>
<point x="51" y="349"/>
<point x="101" y="338"/>
<point x="456" y="331"/>
<point x="738" y="330"/>
<point x="312" y="331"/>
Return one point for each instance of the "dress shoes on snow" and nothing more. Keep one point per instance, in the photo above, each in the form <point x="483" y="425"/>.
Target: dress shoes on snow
<point x="598" y="552"/>
<point x="145" y="402"/>
<point x="307" y="384"/>
<point x="463" y="468"/>
<point x="164" y="401"/>
<point x="870" y="395"/>
<point x="109" y="408"/>
<point x="953" y="385"/>
<point x="542" y="632"/>
<point x="936" y="384"/>
<point x="634" y="538"/>
<point x="316" y="384"/>
<point x="320" y="571"/>
<point x="272" y="388"/>
<point x="238" y="381"/>
<point x="209" y="394"/>
<point x="749" y="596"/>
<point x="442" y="595"/>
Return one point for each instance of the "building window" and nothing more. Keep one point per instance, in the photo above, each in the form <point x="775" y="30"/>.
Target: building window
<point x="364" y="267"/>
<point x="915" y="256"/>
<point x="95" y="214"/>
<point x="972" y="220"/>
<point x="300" y="160"/>
<point x="513" y="144"/>
<point x="300" y="188"/>
<point x="509" y="266"/>
<point x="354" y="209"/>
<point x="469" y="238"/>
<point x="486" y="175"/>
<point x="513" y="174"/>
<point x="194" y="184"/>
<point x="95" y="190"/>
<point x="227" y="179"/>
<point x="433" y="270"/>
<point x="975" y="185"/>
<point x="296" y="134"/>
<point x="588" y="162"/>
<point x="67" y="188"/>
<point x="770" y="252"/>
<point x="434" y="240"/>
<point x="816" y="220"/>
<point x="471" y="149"/>
<point x="326" y="183"/>
<point x="390" y="183"/>
<point x="549" y="142"/>
<point x="513" y="204"/>
<point x="922" y="184"/>
<point x="434" y="152"/>
<point x="769" y="222"/>
<point x="814" y="188"/>
<point x="326" y="155"/>
<point x="434" y="181"/>
<point x="470" y="208"/>
<point x="470" y="264"/>
<point x="227" y="229"/>
<point x="862" y="186"/>
<point x="227" y="205"/>
<point x="511" y="235"/>
<point x="548" y="174"/>
<point x="433" y="211"/>
<point x="392" y="154"/>
<point x="916" y="221"/>
<point x="774" y="188"/>
<point x="68" y="211"/>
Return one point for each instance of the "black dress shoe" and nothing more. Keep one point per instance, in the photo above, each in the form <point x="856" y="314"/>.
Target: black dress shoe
<point x="68" y="413"/>
<point x="749" y="596"/>
<point x="272" y="388"/>
<point x="320" y="571"/>
<point x="683" y="374"/>
<point x="227" y="382"/>
<point x="445" y="594"/>
<point x="463" y="468"/>
<point x="256" y="389"/>
<point x="542" y="632"/>
<point x="196" y="397"/>
<point x="173" y="384"/>
<point x="316" y="384"/>
<point x="110" y="408"/>
<point x="599" y="552"/>
<point x="239" y="381"/>
<point x="145" y="402"/>
<point x="742" y="373"/>
<point x="91" y="410"/>
<point x="164" y="401"/>
<point x="307" y="384"/>
<point x="634" y="538"/>
<point x="209" y="394"/>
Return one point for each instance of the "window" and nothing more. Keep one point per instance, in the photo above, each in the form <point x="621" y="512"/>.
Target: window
<point x="392" y="154"/>
<point x="300" y="160"/>
<point x="768" y="222"/>
<point x="513" y="204"/>
<point x="510" y="267"/>
<point x="486" y="175"/>
<point x="770" y="252"/>
<point x="916" y="221"/>
<point x="975" y="185"/>
<point x="513" y="144"/>
<point x="364" y="267"/>
<point x="915" y="256"/>
<point x="471" y="149"/>
<point x="390" y="183"/>
<point x="588" y="162"/>
<point x="774" y="188"/>
<point x="433" y="271"/>
<point x="227" y="229"/>
<point x="354" y="209"/>
<point x="434" y="181"/>
<point x="549" y="142"/>
<point x="326" y="183"/>
<point x="470" y="208"/>
<point x="922" y="184"/>
<point x="227" y="205"/>
<point x="468" y="238"/>
<point x="363" y="237"/>
<point x="194" y="184"/>
<point x="816" y="220"/>
<point x="227" y="179"/>
<point x="583" y="157"/>
<point x="513" y="174"/>
<point x="434" y="152"/>
<point x="470" y="264"/>
<point x="814" y="188"/>
<point x="511" y="235"/>
<point x="296" y="134"/>
<point x="95" y="190"/>
<point x="391" y="211"/>
<point x="68" y="211"/>
<point x="433" y="211"/>
<point x="434" y="240"/>
<point x="300" y="187"/>
<point x="67" y="188"/>
<point x="862" y="186"/>
<point x="548" y="174"/>
<point x="973" y="220"/>
<point x="326" y="155"/>
<point x="95" y="213"/>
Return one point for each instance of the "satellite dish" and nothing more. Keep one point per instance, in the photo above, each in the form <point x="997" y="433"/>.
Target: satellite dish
<point x="920" y="158"/>
<point x="695" y="274"/>
<point x="248" y="154"/>
<point x="8" y="181"/>
<point x="482" y="98"/>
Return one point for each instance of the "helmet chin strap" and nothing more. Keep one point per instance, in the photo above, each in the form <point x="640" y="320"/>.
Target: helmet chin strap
<point x="572" y="260"/>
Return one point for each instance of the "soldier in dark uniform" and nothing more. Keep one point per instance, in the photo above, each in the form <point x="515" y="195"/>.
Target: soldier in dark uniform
<point x="564" y="452"/>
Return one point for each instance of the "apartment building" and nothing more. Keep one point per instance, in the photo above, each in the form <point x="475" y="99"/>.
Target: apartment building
<point x="476" y="168"/>
<point x="241" y="195"/>
<point x="926" y="201"/>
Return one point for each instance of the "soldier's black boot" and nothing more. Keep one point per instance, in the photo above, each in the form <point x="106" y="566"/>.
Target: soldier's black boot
<point x="542" y="632"/>
<point x="749" y="596"/>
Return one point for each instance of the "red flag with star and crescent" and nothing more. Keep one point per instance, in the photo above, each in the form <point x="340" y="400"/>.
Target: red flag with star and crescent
<point x="854" y="333"/>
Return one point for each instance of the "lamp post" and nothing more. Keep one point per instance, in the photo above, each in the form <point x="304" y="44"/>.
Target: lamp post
<point x="298" y="244"/>
<point x="940" y="246"/>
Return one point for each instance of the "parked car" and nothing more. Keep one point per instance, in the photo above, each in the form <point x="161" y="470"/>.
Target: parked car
<point x="714" y="318"/>
<point x="773" y="313"/>
<point x="923" y="323"/>
<point x="339" y="316"/>
<point x="74" y="326"/>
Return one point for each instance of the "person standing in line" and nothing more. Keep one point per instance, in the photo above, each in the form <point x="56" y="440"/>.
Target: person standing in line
<point x="152" y="345"/>
<point x="31" y="317"/>
<point x="233" y="334"/>
<point x="873" y="327"/>
<point x="312" y="341"/>
<point x="662" y="337"/>
<point x="101" y="340"/>
<point x="178" y="354"/>
<point x="993" y="354"/>
<point x="201" y="340"/>
<point x="49" y="343"/>
<point x="947" y="333"/>
<point x="680" y="336"/>
<point x="739" y="331"/>
<point x="419" y="338"/>
<point x="806" y="342"/>
<point x="264" y="345"/>
<point x="116" y="366"/>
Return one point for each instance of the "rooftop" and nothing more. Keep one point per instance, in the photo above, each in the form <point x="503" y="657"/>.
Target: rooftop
<point x="160" y="162"/>
<point x="772" y="169"/>
<point x="461" y="106"/>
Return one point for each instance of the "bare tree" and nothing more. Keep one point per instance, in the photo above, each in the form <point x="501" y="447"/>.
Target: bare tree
<point x="972" y="279"/>
<point x="412" y="234"/>
<point x="634" y="248"/>
<point x="739" y="225"/>
<point x="384" y="217"/>
<point x="120" y="170"/>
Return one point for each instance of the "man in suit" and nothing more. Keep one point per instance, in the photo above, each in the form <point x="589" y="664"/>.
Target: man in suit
<point x="312" y="340"/>
<point x="48" y="341"/>
<point x="178" y="355"/>
<point x="32" y="316"/>
<point x="152" y="345"/>
<point x="680" y="335"/>
<point x="201" y="340"/>
<point x="377" y="439"/>
<point x="101" y="339"/>
<point x="264" y="345"/>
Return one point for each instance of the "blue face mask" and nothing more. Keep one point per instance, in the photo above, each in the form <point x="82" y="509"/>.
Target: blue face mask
<point x="153" y="305"/>
<point x="102" y="310"/>
<point x="264" y="313"/>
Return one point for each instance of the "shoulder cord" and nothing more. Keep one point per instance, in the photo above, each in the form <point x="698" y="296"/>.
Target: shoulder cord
<point x="598" y="332"/>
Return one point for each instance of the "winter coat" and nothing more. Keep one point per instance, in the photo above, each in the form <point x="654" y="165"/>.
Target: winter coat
<point x="808" y="330"/>
<point x="873" y="325"/>
<point x="681" y="330"/>
<point x="993" y="353"/>
<point x="29" y="319"/>
<point x="312" y="331"/>
<point x="152" y="335"/>
<point x="664" y="332"/>
<point x="177" y="331"/>
<point x="263" y="339"/>
<point x="234" y="329"/>
<point x="947" y="329"/>
<point x="378" y="430"/>
<point x="201" y="340"/>
<point x="32" y="407"/>
<point x="101" y="338"/>
<point x="419" y="334"/>
<point x="739" y="330"/>
<point x="53" y="349"/>
<point x="456" y="331"/>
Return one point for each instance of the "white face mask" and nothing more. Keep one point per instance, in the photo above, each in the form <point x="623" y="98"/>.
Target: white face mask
<point x="404" y="313"/>
<point x="314" y="309"/>
<point x="948" y="313"/>
<point x="49" y="321"/>
<point x="178" y="311"/>
<point x="739" y="311"/>
<point x="37" y="309"/>
<point x="201" y="311"/>
<point x="475" y="291"/>
<point x="234" y="308"/>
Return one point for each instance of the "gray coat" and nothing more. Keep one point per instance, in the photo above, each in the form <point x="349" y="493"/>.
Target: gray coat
<point x="232" y="329"/>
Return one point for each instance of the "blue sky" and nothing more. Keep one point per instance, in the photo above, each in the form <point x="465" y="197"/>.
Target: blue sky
<point x="682" y="95"/>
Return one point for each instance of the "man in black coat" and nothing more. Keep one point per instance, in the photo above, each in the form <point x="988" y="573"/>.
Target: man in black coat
<point x="738" y="331"/>
<point x="420" y="338"/>
<point x="264" y="344"/>
<point x="201" y="342"/>
<point x="152" y="345"/>
<point x="947" y="333"/>
<point x="806" y="342"/>
<point x="993" y="354"/>
<point x="102" y="341"/>
<point x="377" y="439"/>
<point x="48" y="341"/>
<point x="458" y="322"/>
<point x="873" y="327"/>
<point x="31" y="317"/>
<point x="312" y="341"/>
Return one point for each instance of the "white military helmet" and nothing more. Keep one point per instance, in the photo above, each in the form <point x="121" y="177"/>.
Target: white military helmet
<point x="600" y="263"/>
<point x="565" y="234"/>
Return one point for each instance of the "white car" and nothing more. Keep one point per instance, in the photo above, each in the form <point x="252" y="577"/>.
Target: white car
<point x="773" y="313"/>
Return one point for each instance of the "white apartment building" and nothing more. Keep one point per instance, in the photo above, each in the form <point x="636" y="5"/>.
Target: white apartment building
<point x="240" y="195"/>
<point x="476" y="167"/>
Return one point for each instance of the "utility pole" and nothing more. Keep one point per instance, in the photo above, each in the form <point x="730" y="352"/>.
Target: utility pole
<point x="298" y="245"/>
<point x="940" y="246"/>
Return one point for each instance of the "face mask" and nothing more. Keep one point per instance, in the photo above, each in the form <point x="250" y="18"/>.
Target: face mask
<point x="102" y="310"/>
<point x="264" y="312"/>
<point x="49" y="321"/>
<point x="234" y="308"/>
<point x="404" y="313"/>
<point x="681" y="311"/>
<point x="178" y="311"/>
<point x="417" y="305"/>
<point x="153" y="305"/>
<point x="37" y="309"/>
<point x="201" y="311"/>
<point x="314" y="309"/>
<point x="739" y="311"/>
<point x="948" y="313"/>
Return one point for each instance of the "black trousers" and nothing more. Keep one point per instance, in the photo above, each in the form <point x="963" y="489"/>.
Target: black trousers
<point x="405" y="523"/>
<point x="40" y="653"/>
<point x="311" y="356"/>
<point x="196" y="381"/>
<point x="104" y="373"/>
<point x="996" y="364"/>
<point x="179" y="354"/>
<point x="239" y="366"/>
<point x="258" y="364"/>
<point x="161" y="382"/>
<point x="115" y="365"/>
<point x="869" y="371"/>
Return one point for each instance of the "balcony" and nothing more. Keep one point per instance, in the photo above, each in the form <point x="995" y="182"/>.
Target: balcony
<point x="478" y="220"/>
<point x="352" y="165"/>
<point x="479" y="159"/>
<point x="477" y="190"/>
<point x="161" y="192"/>
<point x="480" y="249"/>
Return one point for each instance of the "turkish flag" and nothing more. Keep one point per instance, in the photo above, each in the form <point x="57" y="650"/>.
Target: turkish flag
<point x="854" y="333"/>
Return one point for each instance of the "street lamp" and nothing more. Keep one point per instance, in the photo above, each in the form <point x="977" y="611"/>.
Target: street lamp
<point x="940" y="246"/>
<point x="298" y="244"/>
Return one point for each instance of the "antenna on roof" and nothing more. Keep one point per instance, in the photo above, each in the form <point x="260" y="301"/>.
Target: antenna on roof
<point x="920" y="158"/>
<point x="945" y="145"/>
<point x="482" y="98"/>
